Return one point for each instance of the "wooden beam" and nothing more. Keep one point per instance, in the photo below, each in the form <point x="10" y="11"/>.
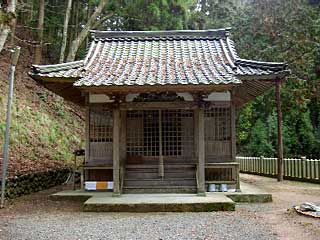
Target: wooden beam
<point x="161" y="105"/>
<point x="116" y="152"/>
<point x="280" y="143"/>
<point x="200" y="150"/>
<point x="158" y="88"/>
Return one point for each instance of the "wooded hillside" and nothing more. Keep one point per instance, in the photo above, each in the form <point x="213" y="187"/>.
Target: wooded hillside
<point x="272" y="30"/>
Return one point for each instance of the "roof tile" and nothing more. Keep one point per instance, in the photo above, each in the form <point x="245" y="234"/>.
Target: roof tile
<point x="160" y="58"/>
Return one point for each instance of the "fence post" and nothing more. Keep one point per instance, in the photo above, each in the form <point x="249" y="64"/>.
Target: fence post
<point x="261" y="164"/>
<point x="304" y="167"/>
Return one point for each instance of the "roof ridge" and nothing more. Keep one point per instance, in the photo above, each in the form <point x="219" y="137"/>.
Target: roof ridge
<point x="217" y="33"/>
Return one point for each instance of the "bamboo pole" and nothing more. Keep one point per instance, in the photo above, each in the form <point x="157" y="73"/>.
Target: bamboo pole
<point x="14" y="60"/>
<point x="280" y="143"/>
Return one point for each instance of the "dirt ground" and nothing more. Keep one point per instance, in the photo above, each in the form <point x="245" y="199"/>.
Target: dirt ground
<point x="278" y="216"/>
<point x="283" y="220"/>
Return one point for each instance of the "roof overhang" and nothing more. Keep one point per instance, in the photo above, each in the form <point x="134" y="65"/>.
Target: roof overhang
<point x="62" y="87"/>
<point x="155" y="61"/>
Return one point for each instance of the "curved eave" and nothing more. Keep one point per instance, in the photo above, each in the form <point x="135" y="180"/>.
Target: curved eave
<point x="272" y="76"/>
<point x="62" y="87"/>
<point x="255" y="85"/>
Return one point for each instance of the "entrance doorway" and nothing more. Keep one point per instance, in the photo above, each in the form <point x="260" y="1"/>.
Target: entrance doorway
<point x="160" y="135"/>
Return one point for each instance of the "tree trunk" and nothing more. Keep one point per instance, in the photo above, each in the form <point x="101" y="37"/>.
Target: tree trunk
<point x="13" y="31"/>
<point x="83" y="34"/>
<point x="38" y="52"/>
<point x="10" y="12"/>
<point x="65" y="31"/>
<point x="87" y="18"/>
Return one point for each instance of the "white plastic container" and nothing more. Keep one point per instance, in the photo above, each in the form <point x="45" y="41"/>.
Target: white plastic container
<point x="224" y="187"/>
<point x="212" y="187"/>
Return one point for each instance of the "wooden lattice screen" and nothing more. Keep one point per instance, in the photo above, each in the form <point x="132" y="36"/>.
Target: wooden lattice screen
<point x="217" y="134"/>
<point x="174" y="134"/>
<point x="100" y="132"/>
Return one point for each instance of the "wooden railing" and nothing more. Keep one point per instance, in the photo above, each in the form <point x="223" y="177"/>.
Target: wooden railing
<point x="293" y="168"/>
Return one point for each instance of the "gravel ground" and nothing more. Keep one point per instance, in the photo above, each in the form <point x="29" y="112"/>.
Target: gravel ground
<point x="36" y="217"/>
<point x="220" y="225"/>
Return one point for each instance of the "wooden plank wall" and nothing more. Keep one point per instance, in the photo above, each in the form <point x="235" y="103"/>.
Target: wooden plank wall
<point x="218" y="135"/>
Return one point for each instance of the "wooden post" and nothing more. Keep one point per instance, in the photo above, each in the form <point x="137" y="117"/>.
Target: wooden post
<point x="123" y="146"/>
<point x="279" y="117"/>
<point x="237" y="170"/>
<point x="233" y="140"/>
<point x="200" y="149"/>
<point x="304" y="169"/>
<point x="123" y="137"/>
<point x="116" y="151"/>
<point x="87" y="140"/>
<point x="233" y="127"/>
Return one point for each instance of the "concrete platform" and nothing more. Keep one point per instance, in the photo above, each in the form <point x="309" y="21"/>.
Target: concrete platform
<point x="213" y="201"/>
<point x="249" y="194"/>
<point x="159" y="203"/>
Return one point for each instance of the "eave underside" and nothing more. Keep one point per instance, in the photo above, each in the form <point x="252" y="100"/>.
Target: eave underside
<point x="243" y="93"/>
<point x="63" y="87"/>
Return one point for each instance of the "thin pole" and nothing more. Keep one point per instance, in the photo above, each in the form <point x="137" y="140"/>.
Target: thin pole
<point x="161" y="166"/>
<point x="14" y="59"/>
<point x="280" y="143"/>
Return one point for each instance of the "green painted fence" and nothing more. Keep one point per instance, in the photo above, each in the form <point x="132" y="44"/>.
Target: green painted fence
<point x="293" y="168"/>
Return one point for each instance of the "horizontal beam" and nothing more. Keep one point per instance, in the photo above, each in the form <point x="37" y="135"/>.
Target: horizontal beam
<point x="161" y="105"/>
<point x="157" y="88"/>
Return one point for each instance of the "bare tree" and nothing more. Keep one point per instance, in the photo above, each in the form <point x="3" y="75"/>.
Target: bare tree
<point x="7" y="19"/>
<point x="65" y="31"/>
<point x="38" y="52"/>
<point x="93" y="21"/>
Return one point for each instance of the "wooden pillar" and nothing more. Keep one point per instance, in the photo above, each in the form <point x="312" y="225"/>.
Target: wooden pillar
<point x="123" y="137"/>
<point x="233" y="127"/>
<point x="280" y="143"/>
<point x="123" y="146"/>
<point x="87" y="139"/>
<point x="200" y="150"/>
<point x="233" y="140"/>
<point x="116" y="151"/>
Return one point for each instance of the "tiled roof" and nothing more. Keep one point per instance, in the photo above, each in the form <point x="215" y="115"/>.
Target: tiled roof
<point x="63" y="70"/>
<point x="161" y="58"/>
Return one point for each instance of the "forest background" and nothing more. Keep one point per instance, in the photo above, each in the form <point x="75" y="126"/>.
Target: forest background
<point x="51" y="31"/>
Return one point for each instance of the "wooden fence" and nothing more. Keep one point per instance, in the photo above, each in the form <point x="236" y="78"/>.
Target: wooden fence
<point x="293" y="168"/>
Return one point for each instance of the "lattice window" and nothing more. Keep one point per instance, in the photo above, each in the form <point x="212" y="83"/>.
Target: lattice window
<point x="100" y="124"/>
<point x="144" y="135"/>
<point x="151" y="133"/>
<point x="217" y="124"/>
<point x="135" y="135"/>
<point x="171" y="132"/>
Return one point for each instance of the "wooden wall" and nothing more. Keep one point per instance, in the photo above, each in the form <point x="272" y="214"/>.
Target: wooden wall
<point x="217" y="124"/>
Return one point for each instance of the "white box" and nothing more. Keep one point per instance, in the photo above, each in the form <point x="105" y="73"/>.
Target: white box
<point x="90" y="185"/>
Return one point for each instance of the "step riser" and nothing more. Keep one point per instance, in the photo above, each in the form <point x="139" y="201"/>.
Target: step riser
<point x="159" y="190"/>
<point x="155" y="175"/>
<point x="143" y="183"/>
<point x="156" y="166"/>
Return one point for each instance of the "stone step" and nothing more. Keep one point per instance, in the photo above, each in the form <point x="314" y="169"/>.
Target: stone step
<point x="160" y="182"/>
